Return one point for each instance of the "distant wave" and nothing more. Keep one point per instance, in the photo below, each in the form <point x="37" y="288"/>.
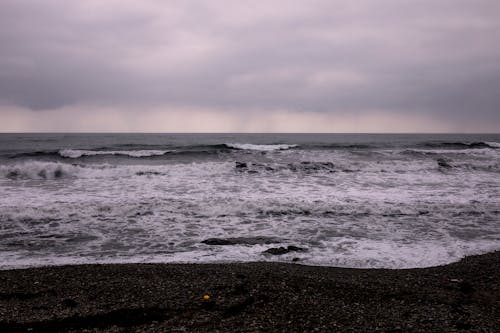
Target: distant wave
<point x="493" y="144"/>
<point x="249" y="146"/>
<point x="34" y="154"/>
<point x="462" y="145"/>
<point x="492" y="152"/>
<point x="72" y="153"/>
<point x="155" y="151"/>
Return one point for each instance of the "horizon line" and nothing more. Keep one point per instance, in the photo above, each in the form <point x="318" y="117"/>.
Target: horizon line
<point x="153" y="132"/>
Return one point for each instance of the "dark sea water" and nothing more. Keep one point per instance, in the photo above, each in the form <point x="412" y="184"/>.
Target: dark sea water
<point x="353" y="200"/>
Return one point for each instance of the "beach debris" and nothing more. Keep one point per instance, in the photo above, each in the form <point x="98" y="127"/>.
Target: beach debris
<point x="282" y="250"/>
<point x="208" y="303"/>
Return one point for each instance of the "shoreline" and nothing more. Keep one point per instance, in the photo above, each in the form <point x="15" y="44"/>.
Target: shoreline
<point x="252" y="297"/>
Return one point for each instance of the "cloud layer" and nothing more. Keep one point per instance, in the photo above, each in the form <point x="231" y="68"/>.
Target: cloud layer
<point x="430" y="65"/>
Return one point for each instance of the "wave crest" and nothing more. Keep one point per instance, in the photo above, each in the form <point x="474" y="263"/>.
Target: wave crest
<point x="249" y="146"/>
<point x="38" y="171"/>
<point x="493" y="144"/>
<point x="74" y="153"/>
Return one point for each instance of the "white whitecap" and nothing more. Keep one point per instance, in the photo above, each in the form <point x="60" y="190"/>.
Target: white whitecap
<point x="74" y="153"/>
<point x="37" y="170"/>
<point x="472" y="152"/>
<point x="249" y="146"/>
<point x="493" y="144"/>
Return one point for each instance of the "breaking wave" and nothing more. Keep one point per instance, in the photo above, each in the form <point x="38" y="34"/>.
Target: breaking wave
<point x="493" y="144"/>
<point x="73" y="153"/>
<point x="36" y="170"/>
<point x="48" y="170"/>
<point x="249" y="146"/>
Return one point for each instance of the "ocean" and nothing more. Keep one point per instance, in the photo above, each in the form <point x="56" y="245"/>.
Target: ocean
<point x="348" y="200"/>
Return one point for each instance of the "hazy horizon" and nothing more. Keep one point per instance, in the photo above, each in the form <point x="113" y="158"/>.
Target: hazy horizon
<point x="277" y="133"/>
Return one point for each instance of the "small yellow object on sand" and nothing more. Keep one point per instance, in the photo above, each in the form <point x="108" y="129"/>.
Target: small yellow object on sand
<point x="206" y="297"/>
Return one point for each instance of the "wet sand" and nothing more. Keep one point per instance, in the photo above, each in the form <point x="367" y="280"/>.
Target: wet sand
<point x="253" y="297"/>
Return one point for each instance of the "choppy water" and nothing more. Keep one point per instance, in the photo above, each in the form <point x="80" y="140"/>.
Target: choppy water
<point x="351" y="200"/>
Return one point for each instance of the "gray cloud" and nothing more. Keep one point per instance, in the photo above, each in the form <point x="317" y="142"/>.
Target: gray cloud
<point x="438" y="58"/>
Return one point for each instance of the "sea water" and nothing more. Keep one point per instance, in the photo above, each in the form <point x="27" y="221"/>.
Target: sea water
<point x="351" y="200"/>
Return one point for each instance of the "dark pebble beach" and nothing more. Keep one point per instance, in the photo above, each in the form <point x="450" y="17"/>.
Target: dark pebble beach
<point x="252" y="297"/>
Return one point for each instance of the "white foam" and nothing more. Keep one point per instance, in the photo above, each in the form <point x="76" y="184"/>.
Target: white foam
<point x="493" y="144"/>
<point x="486" y="152"/>
<point x="380" y="255"/>
<point x="249" y="146"/>
<point x="37" y="170"/>
<point x="411" y="215"/>
<point x="73" y="153"/>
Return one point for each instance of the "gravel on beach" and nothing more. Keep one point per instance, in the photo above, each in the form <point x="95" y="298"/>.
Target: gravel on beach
<point x="252" y="297"/>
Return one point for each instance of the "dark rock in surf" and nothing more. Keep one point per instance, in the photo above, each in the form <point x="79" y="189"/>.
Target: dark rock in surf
<point x="13" y="174"/>
<point x="241" y="165"/>
<point x="218" y="241"/>
<point x="241" y="241"/>
<point x="58" y="173"/>
<point x="277" y="251"/>
<point x="148" y="173"/>
<point x="42" y="174"/>
<point x="292" y="248"/>
<point x="442" y="163"/>
<point x="304" y="166"/>
<point x="308" y="166"/>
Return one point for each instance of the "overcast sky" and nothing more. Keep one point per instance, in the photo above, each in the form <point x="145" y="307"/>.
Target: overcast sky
<point x="261" y="66"/>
